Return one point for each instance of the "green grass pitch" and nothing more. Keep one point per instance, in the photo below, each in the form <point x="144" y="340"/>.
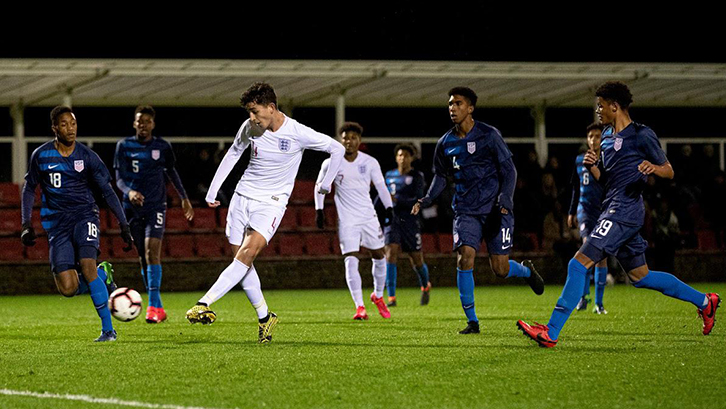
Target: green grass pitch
<point x="647" y="353"/>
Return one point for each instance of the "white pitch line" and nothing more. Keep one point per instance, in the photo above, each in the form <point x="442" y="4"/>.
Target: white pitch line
<point x="91" y="399"/>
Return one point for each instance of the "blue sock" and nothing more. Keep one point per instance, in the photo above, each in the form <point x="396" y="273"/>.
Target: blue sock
<point x="601" y="278"/>
<point x="465" y="282"/>
<point x="99" y="296"/>
<point x="153" y="273"/>
<point x="586" y="288"/>
<point x="671" y="286"/>
<point x="518" y="270"/>
<point x="423" y="275"/>
<point x="391" y="274"/>
<point x="82" y="285"/>
<point x="568" y="299"/>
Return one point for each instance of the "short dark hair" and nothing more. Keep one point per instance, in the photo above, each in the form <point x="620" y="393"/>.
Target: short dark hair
<point x="408" y="147"/>
<point x="465" y="92"/>
<point x="57" y="112"/>
<point x="260" y="93"/>
<point x="351" y="126"/>
<point x="615" y="91"/>
<point x="145" y="109"/>
<point x="595" y="125"/>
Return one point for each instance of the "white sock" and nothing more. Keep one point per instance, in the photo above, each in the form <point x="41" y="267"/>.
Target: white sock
<point x="253" y="288"/>
<point x="705" y="302"/>
<point x="229" y="278"/>
<point x="379" y="276"/>
<point x="352" y="276"/>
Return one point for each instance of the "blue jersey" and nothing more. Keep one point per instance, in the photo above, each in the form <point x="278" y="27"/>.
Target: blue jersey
<point x="587" y="193"/>
<point x="405" y="189"/>
<point x="474" y="163"/>
<point x="621" y="154"/>
<point x="142" y="167"/>
<point x="66" y="184"/>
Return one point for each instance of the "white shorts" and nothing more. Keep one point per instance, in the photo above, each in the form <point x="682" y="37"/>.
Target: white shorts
<point x="368" y="235"/>
<point x="245" y="213"/>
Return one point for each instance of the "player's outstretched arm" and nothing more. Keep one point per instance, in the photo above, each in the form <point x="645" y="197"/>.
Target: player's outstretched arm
<point x="27" y="235"/>
<point x="383" y="194"/>
<point x="337" y="152"/>
<point x="318" y="197"/>
<point x="241" y="142"/>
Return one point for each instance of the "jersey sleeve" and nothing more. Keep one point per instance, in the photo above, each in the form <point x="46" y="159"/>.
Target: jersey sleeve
<point x="319" y="198"/>
<point x="120" y="164"/>
<point x="441" y="165"/>
<point x="650" y="147"/>
<point x="575" y="183"/>
<point x="380" y="184"/>
<point x="241" y="142"/>
<point x="312" y="139"/>
<point x="32" y="178"/>
<point x="501" y="150"/>
<point x="99" y="172"/>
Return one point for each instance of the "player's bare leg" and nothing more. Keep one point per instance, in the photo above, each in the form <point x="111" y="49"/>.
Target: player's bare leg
<point x="392" y="251"/>
<point x="67" y="283"/>
<point x="155" y="311"/>
<point x="378" y="257"/>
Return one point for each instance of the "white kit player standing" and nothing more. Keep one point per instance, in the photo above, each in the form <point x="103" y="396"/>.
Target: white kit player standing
<point x="358" y="224"/>
<point x="260" y="198"/>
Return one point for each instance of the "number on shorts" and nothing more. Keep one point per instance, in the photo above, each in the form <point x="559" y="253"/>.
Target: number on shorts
<point x="506" y="236"/>
<point x="604" y="227"/>
<point x="92" y="230"/>
<point x="160" y="218"/>
<point x="55" y="179"/>
<point x="585" y="178"/>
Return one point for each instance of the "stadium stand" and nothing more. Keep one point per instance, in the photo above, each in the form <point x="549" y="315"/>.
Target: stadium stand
<point x="179" y="246"/>
<point x="318" y="244"/>
<point x="9" y="195"/>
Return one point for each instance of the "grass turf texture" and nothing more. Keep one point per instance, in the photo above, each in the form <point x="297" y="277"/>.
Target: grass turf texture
<point x="647" y="352"/>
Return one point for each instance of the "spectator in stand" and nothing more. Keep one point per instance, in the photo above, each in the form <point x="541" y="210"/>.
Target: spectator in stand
<point x="665" y="234"/>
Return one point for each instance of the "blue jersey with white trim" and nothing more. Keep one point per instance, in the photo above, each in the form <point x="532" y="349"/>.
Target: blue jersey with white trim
<point x="473" y="161"/>
<point x="620" y="157"/>
<point x="591" y="192"/>
<point x="142" y="167"/>
<point x="66" y="183"/>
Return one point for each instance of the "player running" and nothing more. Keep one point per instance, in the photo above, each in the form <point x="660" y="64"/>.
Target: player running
<point x="587" y="194"/>
<point x="142" y="163"/>
<point x="276" y="143"/>
<point x="404" y="234"/>
<point x="66" y="172"/>
<point x="358" y="225"/>
<point x="475" y="155"/>
<point x="630" y="152"/>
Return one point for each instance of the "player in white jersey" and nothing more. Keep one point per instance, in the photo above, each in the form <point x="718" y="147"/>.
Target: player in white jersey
<point x="358" y="224"/>
<point x="260" y="198"/>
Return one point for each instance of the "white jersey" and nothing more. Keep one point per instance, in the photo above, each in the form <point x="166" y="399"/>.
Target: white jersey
<point x="352" y="189"/>
<point x="274" y="160"/>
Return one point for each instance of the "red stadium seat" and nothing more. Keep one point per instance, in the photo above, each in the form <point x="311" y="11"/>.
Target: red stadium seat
<point x="318" y="244"/>
<point x="306" y="217"/>
<point x="39" y="251"/>
<point x="331" y="216"/>
<point x="446" y="243"/>
<point x="303" y="192"/>
<point x="172" y="196"/>
<point x="208" y="245"/>
<point x="707" y="240"/>
<point x="271" y="249"/>
<point x="483" y="248"/>
<point x="11" y="249"/>
<point x="429" y="244"/>
<point x="533" y="241"/>
<point x="117" y="245"/>
<point x="205" y="218"/>
<point x="179" y="246"/>
<point x="103" y="216"/>
<point x="336" y="244"/>
<point x="10" y="221"/>
<point x="290" y="245"/>
<point x="175" y="220"/>
<point x="9" y="195"/>
<point x="36" y="222"/>
<point x="289" y="221"/>
<point x="105" y="249"/>
<point x="223" y="217"/>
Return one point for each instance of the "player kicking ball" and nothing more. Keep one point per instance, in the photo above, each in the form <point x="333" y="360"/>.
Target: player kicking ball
<point x="276" y="143"/>
<point x="587" y="194"/>
<point x="404" y="233"/>
<point x="66" y="171"/>
<point x="479" y="161"/>
<point x="143" y="163"/>
<point x="629" y="152"/>
<point x="358" y="225"/>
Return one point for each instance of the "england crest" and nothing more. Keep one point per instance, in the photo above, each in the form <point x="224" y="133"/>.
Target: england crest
<point x="471" y="147"/>
<point x="362" y="169"/>
<point x="618" y="143"/>
<point x="78" y="165"/>
<point x="155" y="154"/>
<point x="284" y="145"/>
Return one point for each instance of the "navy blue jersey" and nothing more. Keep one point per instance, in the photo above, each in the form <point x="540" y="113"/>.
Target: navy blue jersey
<point x="406" y="189"/>
<point x="142" y="167"/>
<point x="66" y="183"/>
<point x="620" y="156"/>
<point x="474" y="162"/>
<point x="587" y="193"/>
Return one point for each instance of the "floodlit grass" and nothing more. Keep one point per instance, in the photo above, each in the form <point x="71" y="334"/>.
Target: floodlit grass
<point x="648" y="352"/>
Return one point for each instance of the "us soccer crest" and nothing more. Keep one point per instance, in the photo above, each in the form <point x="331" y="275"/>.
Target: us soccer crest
<point x="618" y="143"/>
<point x="471" y="147"/>
<point x="155" y="154"/>
<point x="362" y="169"/>
<point x="78" y="165"/>
<point x="409" y="180"/>
<point x="284" y="145"/>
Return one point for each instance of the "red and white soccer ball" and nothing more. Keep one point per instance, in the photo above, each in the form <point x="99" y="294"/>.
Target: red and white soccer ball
<point x="125" y="304"/>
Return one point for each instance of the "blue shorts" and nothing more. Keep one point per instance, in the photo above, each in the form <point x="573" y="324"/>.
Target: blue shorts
<point x="405" y="231"/>
<point x="146" y="223"/>
<point x="495" y="228"/>
<point x="586" y="225"/>
<point x="611" y="238"/>
<point x="68" y="244"/>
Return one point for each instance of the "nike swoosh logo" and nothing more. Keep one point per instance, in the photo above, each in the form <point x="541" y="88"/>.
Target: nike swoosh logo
<point x="450" y="150"/>
<point x="53" y="166"/>
<point x="156" y="226"/>
<point x="595" y="237"/>
<point x="506" y="247"/>
<point x="133" y="155"/>
<point x="90" y="239"/>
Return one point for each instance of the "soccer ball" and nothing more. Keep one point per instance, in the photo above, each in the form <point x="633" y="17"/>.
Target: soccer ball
<point x="125" y="304"/>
